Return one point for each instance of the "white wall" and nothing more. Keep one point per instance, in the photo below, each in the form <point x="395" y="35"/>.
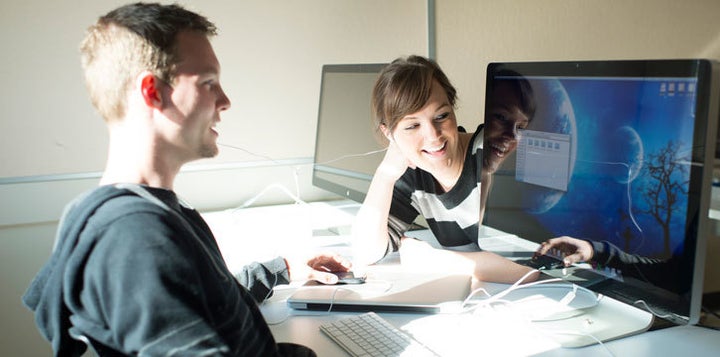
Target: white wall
<point x="271" y="52"/>
<point x="472" y="34"/>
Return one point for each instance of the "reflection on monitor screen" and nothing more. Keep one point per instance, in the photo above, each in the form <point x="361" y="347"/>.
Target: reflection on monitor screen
<point x="543" y="159"/>
<point x="616" y="151"/>
<point x="346" y="152"/>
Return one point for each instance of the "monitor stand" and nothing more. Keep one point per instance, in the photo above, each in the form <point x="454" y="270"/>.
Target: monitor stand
<point x="504" y="330"/>
<point x="609" y="320"/>
<point x="548" y="310"/>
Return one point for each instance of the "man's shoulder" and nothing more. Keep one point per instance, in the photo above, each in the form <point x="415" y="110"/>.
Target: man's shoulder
<point x="106" y="204"/>
<point x="107" y="198"/>
<point x="97" y="196"/>
<point x="126" y="221"/>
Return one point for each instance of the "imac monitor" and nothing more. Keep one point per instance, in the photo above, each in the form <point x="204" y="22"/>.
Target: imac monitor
<point x="346" y="151"/>
<point x="618" y="152"/>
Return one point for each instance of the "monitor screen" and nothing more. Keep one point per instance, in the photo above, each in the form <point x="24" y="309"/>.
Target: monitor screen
<point x="615" y="151"/>
<point x="346" y="151"/>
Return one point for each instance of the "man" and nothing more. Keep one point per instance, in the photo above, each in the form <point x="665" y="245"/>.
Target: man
<point x="135" y="271"/>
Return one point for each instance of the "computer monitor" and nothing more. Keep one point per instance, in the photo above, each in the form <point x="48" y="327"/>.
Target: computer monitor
<point x="617" y="151"/>
<point x="346" y="152"/>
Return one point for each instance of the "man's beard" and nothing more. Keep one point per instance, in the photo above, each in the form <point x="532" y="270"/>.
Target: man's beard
<point x="208" y="151"/>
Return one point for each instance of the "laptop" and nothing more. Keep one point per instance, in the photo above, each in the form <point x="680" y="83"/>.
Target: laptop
<point x="386" y="289"/>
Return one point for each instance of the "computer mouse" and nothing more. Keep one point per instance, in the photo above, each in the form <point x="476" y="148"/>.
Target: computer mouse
<point x="349" y="277"/>
<point x="544" y="262"/>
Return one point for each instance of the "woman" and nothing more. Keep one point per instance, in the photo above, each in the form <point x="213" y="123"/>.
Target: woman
<point x="430" y="168"/>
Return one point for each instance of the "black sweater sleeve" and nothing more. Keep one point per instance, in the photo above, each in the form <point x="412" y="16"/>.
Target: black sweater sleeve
<point x="260" y="278"/>
<point x="665" y="273"/>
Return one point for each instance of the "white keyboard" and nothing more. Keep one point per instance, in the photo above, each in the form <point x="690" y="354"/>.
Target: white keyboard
<point x="370" y="335"/>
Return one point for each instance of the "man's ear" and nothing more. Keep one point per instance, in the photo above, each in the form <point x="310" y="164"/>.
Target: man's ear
<point x="150" y="91"/>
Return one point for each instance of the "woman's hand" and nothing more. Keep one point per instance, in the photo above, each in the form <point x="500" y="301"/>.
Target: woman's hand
<point x="394" y="163"/>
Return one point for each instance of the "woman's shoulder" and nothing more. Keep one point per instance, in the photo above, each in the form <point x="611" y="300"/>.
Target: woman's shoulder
<point x="472" y="141"/>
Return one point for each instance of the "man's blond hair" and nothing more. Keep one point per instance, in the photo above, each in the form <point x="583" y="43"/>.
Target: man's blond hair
<point x="129" y="40"/>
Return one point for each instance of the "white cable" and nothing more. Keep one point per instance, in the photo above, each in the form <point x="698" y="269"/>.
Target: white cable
<point x="496" y="297"/>
<point x="296" y="178"/>
<point x="517" y="285"/>
<point x="571" y="294"/>
<point x="280" y="187"/>
<point x="655" y="313"/>
<point x="332" y="298"/>
<point x="249" y="152"/>
<point x="338" y="288"/>
<point x="265" y="302"/>
<point x="297" y="195"/>
<point x="629" y="196"/>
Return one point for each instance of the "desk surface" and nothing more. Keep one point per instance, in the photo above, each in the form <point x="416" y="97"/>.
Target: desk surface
<point x="495" y="338"/>
<point x="497" y="331"/>
<point x="493" y="332"/>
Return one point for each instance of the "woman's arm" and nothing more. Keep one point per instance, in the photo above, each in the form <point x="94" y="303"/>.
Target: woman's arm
<point x="483" y="266"/>
<point x="370" y="229"/>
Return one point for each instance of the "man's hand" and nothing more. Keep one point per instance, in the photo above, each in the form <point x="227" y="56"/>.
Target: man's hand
<point x="572" y="249"/>
<point x="318" y="267"/>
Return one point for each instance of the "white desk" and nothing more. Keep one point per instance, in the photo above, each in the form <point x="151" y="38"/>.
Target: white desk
<point x="493" y="332"/>
<point x="493" y="337"/>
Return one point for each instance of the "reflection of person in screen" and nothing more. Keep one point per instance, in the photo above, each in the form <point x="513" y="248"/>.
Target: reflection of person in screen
<point x="429" y="169"/>
<point x="661" y="272"/>
<point x="510" y="108"/>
